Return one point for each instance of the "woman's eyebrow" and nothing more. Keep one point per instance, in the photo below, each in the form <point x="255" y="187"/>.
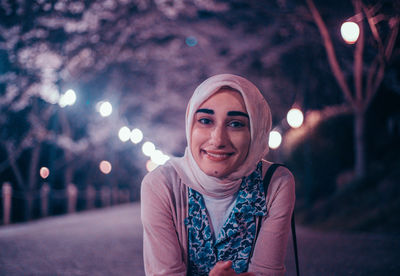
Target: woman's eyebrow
<point x="205" y="110"/>
<point x="238" y="113"/>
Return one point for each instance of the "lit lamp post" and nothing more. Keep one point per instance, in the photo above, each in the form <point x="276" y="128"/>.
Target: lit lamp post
<point x="350" y="32"/>
<point x="148" y="148"/>
<point x="150" y="165"/>
<point x="68" y="98"/>
<point x="124" y="134"/>
<point x="104" y="108"/>
<point x="136" y="136"/>
<point x="275" y="139"/>
<point x="105" y="167"/>
<point x="44" y="191"/>
<point x="295" y="118"/>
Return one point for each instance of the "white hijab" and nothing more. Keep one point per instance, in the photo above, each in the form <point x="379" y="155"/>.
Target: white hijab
<point x="260" y="125"/>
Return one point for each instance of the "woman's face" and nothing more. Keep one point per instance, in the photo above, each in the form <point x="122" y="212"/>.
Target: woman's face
<point x="220" y="137"/>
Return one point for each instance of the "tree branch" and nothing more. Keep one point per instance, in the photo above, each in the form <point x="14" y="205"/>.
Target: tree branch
<point x="358" y="58"/>
<point x="378" y="66"/>
<point x="370" y="79"/>
<point x="337" y="72"/>
<point x="392" y="38"/>
<point x="372" y="25"/>
<point x="17" y="172"/>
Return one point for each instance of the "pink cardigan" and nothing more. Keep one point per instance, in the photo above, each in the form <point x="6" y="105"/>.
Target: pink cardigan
<point x="164" y="208"/>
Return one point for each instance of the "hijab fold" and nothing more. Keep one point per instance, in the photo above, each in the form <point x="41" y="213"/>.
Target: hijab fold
<point x="260" y="125"/>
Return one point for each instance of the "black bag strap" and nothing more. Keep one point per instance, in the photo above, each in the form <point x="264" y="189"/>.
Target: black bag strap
<point x="266" y="181"/>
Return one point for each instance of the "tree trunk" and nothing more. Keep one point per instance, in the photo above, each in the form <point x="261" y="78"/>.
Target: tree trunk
<point x="359" y="143"/>
<point x="28" y="205"/>
<point x="32" y="181"/>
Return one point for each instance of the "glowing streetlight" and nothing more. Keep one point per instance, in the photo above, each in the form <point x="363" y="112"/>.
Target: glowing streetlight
<point x="275" y="139"/>
<point x="136" y="136"/>
<point x="68" y="98"/>
<point x="165" y="158"/>
<point x="148" y="148"/>
<point x="44" y="172"/>
<point x="159" y="158"/>
<point x="162" y="159"/>
<point x="105" y="108"/>
<point x="295" y="117"/>
<point x="150" y="165"/>
<point x="124" y="133"/>
<point x="105" y="167"/>
<point x="350" y="32"/>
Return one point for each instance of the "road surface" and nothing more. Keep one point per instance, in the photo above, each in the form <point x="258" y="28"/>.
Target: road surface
<point x="109" y="242"/>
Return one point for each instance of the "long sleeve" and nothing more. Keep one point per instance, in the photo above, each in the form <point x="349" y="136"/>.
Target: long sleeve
<point x="162" y="248"/>
<point x="270" y="250"/>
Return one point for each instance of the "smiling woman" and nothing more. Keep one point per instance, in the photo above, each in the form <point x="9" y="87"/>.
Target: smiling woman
<point x="221" y="133"/>
<point x="208" y="213"/>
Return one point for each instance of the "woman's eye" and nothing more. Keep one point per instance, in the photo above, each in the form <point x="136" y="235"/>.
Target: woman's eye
<point x="236" y="124"/>
<point x="204" y="121"/>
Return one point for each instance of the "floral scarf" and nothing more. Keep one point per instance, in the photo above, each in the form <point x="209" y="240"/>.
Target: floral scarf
<point x="236" y="240"/>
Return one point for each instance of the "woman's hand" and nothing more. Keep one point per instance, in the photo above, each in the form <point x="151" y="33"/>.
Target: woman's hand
<point x="224" y="268"/>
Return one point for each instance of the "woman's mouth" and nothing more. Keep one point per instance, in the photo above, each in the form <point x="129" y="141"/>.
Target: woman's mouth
<point x="217" y="155"/>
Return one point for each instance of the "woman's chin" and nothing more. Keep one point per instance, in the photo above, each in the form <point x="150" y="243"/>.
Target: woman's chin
<point x="216" y="172"/>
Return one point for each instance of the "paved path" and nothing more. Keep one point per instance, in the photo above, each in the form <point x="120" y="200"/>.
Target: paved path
<point x="109" y="242"/>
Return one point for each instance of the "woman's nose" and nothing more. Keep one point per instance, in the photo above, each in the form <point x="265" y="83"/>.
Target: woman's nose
<point x="218" y="137"/>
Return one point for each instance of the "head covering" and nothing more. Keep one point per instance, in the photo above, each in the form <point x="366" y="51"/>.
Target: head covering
<point x="260" y="125"/>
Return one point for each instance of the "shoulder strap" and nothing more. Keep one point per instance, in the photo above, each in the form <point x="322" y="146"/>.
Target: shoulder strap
<point x="266" y="181"/>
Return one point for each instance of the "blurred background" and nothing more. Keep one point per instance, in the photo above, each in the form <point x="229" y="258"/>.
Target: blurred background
<point x="93" y="96"/>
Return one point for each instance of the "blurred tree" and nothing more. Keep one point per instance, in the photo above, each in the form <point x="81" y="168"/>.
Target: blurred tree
<point x="367" y="73"/>
<point x="145" y="57"/>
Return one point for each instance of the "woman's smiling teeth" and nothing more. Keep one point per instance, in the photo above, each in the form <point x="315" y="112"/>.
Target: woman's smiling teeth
<point x="217" y="155"/>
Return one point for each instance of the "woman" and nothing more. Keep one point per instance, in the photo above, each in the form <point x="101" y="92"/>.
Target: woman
<point x="200" y="212"/>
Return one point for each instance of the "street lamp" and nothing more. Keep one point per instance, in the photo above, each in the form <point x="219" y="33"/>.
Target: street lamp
<point x="275" y="139"/>
<point x="124" y="133"/>
<point x="136" y="136"/>
<point x="157" y="157"/>
<point x="295" y="118"/>
<point x="44" y="172"/>
<point x="105" y="167"/>
<point x="150" y="165"/>
<point x="350" y="32"/>
<point x="105" y="108"/>
<point x="148" y="148"/>
<point x="68" y="98"/>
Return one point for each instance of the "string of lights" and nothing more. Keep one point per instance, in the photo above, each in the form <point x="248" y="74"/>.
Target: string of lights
<point x="350" y="32"/>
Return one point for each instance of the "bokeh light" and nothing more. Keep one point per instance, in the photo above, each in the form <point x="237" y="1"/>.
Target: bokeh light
<point x="148" y="148"/>
<point x="165" y="158"/>
<point x="136" y="136"/>
<point x="124" y="133"/>
<point x="105" y="167"/>
<point x="105" y="109"/>
<point x="350" y="32"/>
<point x="150" y="165"/>
<point x="295" y="117"/>
<point x="44" y="172"/>
<point x="68" y="98"/>
<point x="275" y="139"/>
<point x="191" y="41"/>
<point x="159" y="158"/>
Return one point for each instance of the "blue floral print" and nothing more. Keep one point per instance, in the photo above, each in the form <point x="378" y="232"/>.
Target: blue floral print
<point x="236" y="238"/>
